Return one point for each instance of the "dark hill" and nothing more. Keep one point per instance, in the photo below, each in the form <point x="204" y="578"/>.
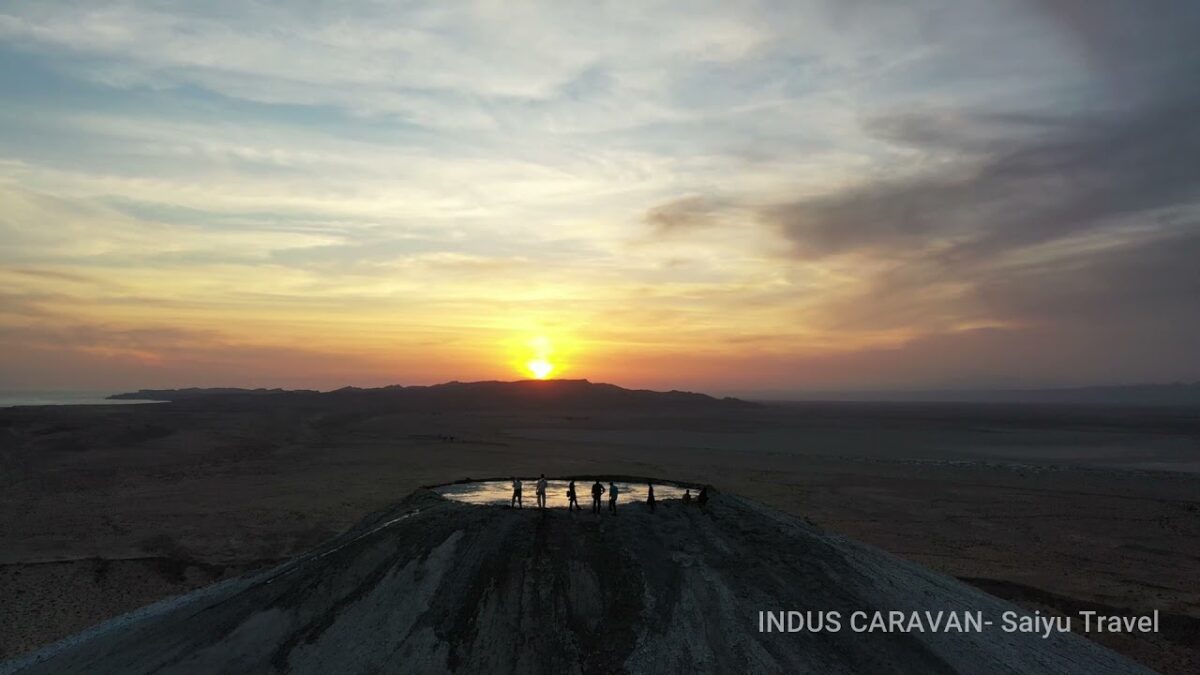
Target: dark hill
<point x="525" y="394"/>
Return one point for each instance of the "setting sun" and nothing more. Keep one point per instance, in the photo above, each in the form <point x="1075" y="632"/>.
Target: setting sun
<point x="538" y="357"/>
<point x="540" y="368"/>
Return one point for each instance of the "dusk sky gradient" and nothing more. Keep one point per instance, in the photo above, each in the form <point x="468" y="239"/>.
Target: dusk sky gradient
<point x="731" y="197"/>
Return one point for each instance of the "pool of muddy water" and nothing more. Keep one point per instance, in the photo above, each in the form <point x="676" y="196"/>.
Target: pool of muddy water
<point x="499" y="492"/>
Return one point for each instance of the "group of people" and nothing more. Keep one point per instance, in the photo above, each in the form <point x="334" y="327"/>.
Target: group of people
<point x="598" y="491"/>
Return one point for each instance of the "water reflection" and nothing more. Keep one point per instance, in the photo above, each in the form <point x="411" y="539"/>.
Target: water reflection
<point x="500" y="492"/>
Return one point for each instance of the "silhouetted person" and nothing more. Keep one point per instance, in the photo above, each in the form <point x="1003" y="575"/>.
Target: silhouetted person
<point x="541" y="492"/>
<point x="597" y="490"/>
<point x="650" y="496"/>
<point x="516" y="498"/>
<point x="702" y="498"/>
<point x="572" y="501"/>
<point x="687" y="496"/>
<point x="612" y="497"/>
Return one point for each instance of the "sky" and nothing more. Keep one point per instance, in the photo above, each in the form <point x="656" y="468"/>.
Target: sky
<point x="725" y="196"/>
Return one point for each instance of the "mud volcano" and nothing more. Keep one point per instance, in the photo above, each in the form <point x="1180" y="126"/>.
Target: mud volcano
<point x="434" y="585"/>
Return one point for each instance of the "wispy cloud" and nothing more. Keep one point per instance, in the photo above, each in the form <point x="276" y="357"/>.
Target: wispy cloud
<point x="767" y="194"/>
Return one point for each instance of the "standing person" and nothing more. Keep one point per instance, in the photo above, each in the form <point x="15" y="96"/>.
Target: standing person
<point x="541" y="492"/>
<point x="612" y="497"/>
<point x="687" y="496"/>
<point x="702" y="499"/>
<point x="597" y="490"/>
<point x="572" y="501"/>
<point x="516" y="498"/>
<point x="650" y="496"/>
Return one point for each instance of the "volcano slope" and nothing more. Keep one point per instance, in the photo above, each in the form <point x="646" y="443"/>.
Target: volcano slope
<point x="432" y="585"/>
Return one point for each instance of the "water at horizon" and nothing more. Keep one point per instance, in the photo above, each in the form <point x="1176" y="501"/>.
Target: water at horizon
<point x="9" y="399"/>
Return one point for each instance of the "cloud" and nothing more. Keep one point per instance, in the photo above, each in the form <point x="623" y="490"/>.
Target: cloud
<point x="466" y="66"/>
<point x="1151" y="280"/>
<point x="69" y="353"/>
<point x="1057" y="178"/>
<point x="1000" y="200"/>
<point x="683" y="214"/>
<point x="792" y="179"/>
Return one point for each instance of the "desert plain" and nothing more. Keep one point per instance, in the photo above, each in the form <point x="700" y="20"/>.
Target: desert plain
<point x="104" y="509"/>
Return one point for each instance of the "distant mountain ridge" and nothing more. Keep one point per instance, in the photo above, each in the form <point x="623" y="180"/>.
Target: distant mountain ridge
<point x="583" y="392"/>
<point x="453" y="395"/>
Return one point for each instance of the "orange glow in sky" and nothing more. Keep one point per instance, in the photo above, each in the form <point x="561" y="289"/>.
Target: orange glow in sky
<point x="658" y="199"/>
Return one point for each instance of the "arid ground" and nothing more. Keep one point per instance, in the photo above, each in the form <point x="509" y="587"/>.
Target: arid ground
<point x="104" y="509"/>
